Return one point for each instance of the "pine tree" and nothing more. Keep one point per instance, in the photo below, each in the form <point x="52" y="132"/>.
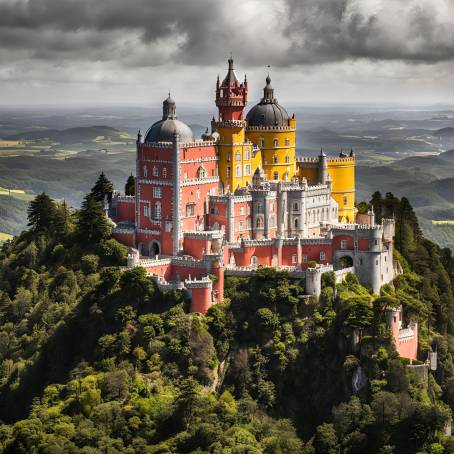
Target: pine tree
<point x="92" y="224"/>
<point x="41" y="213"/>
<point x="130" y="186"/>
<point x="62" y="221"/>
<point x="102" y="188"/>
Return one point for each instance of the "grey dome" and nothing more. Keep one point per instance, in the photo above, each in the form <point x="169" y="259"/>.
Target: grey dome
<point x="164" y="130"/>
<point x="268" y="112"/>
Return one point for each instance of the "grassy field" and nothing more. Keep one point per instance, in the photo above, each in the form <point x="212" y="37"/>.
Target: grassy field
<point x="5" y="237"/>
<point x="19" y="194"/>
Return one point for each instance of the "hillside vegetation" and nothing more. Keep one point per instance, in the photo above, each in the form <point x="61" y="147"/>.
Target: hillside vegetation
<point x="95" y="360"/>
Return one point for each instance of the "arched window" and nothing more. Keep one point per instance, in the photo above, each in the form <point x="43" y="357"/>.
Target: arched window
<point x="261" y="142"/>
<point x="275" y="143"/>
<point x="238" y="156"/>
<point x="145" y="171"/>
<point x="254" y="260"/>
<point x="164" y="172"/>
<point x="287" y="159"/>
<point x="296" y="223"/>
<point x="275" y="159"/>
<point x="276" y="175"/>
<point x="157" y="210"/>
<point x="295" y="206"/>
<point x="238" y="171"/>
<point x="155" y="171"/>
<point x="259" y="223"/>
<point x="201" y="172"/>
<point x="247" y="154"/>
<point x="287" y="142"/>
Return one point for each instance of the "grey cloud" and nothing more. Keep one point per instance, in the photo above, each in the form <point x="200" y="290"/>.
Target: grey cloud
<point x="201" y="32"/>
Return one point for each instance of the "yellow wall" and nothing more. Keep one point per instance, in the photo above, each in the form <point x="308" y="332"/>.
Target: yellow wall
<point x="285" y="154"/>
<point x="342" y="172"/>
<point x="233" y="153"/>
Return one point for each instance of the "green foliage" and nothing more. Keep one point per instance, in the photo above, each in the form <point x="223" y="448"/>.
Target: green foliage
<point x="102" y="189"/>
<point x="94" y="359"/>
<point x="130" y="186"/>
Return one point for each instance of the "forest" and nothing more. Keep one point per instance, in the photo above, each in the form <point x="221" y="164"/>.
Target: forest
<point x="94" y="358"/>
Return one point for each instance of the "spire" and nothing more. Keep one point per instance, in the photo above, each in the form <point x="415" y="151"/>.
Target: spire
<point x="169" y="109"/>
<point x="322" y="153"/>
<point x="268" y="91"/>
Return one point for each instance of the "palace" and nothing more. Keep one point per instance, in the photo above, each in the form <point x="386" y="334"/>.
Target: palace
<point x="239" y="198"/>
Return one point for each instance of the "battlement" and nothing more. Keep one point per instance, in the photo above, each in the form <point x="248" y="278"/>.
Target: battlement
<point x="204" y="234"/>
<point x="230" y="124"/>
<point x="203" y="282"/>
<point x="125" y="198"/>
<point x="270" y="128"/>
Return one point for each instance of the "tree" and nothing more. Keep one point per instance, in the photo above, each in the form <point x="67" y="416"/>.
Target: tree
<point x="102" y="188"/>
<point x="130" y="186"/>
<point x="325" y="440"/>
<point x="92" y="224"/>
<point x="41" y="213"/>
<point x="62" y="220"/>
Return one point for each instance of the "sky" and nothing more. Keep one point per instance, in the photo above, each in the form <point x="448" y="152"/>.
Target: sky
<point x="117" y="52"/>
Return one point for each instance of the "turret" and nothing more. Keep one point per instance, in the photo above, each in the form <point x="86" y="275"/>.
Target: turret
<point x="231" y="95"/>
<point x="322" y="167"/>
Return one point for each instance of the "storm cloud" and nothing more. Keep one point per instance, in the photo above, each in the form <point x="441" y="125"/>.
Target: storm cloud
<point x="87" y="41"/>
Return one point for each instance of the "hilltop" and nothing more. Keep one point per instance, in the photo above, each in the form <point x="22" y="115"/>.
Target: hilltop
<point x="98" y="360"/>
<point x="72" y="135"/>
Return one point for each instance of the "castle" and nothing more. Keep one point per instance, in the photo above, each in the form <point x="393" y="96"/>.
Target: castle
<point x="239" y="198"/>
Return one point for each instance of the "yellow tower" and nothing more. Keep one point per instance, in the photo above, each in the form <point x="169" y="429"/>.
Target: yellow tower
<point x="238" y="157"/>
<point x="271" y="129"/>
<point x="341" y="171"/>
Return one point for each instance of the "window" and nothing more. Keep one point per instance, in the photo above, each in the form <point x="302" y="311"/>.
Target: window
<point x="164" y="172"/>
<point x="345" y="200"/>
<point x="295" y="206"/>
<point x="248" y="209"/>
<point x="294" y="259"/>
<point x="227" y="171"/>
<point x="275" y="159"/>
<point x="228" y="156"/>
<point x="185" y="175"/>
<point x="201" y="172"/>
<point x="190" y="209"/>
<point x="238" y="156"/>
<point x="344" y="244"/>
<point x="253" y="260"/>
<point x="212" y="210"/>
<point x="248" y="223"/>
<point x="157" y="210"/>
<point x="287" y="142"/>
<point x="261" y="142"/>
<point x="168" y="226"/>
<point x="276" y="175"/>
<point x="240" y="226"/>
<point x="238" y="171"/>
<point x="259" y="223"/>
<point x="287" y="159"/>
<point x="155" y="171"/>
<point x="275" y="143"/>
<point x="304" y="258"/>
<point x="355" y="243"/>
<point x="145" y="210"/>
<point x="322" y="255"/>
<point x="296" y="223"/>
<point x="145" y="171"/>
<point x="247" y="169"/>
<point x="197" y="194"/>
<point x="157" y="192"/>
<point x="247" y="154"/>
<point x="241" y="210"/>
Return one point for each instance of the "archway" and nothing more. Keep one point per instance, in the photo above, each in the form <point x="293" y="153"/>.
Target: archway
<point x="344" y="262"/>
<point x="155" y="249"/>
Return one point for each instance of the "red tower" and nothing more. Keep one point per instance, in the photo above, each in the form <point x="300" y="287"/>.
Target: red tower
<point x="231" y="96"/>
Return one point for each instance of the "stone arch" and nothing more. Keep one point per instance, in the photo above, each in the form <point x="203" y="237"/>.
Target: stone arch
<point x="344" y="261"/>
<point x="155" y="248"/>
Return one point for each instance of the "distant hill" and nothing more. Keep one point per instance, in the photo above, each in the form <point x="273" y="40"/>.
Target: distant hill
<point x="444" y="132"/>
<point x="71" y="135"/>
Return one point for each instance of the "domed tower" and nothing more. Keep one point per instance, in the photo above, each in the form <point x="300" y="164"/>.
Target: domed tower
<point x="270" y="127"/>
<point x="237" y="157"/>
